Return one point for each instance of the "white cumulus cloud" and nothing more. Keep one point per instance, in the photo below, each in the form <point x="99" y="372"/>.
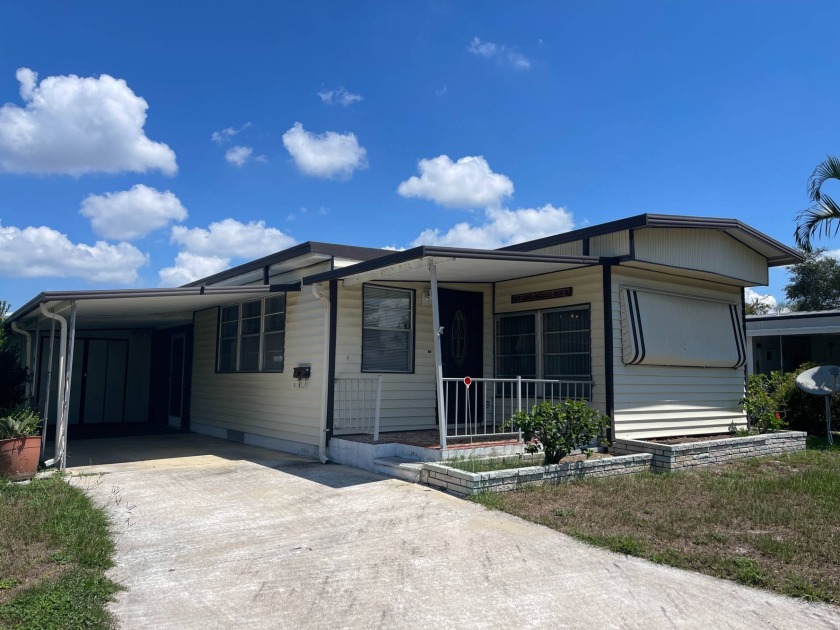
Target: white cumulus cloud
<point x="751" y="295"/>
<point x="133" y="213"/>
<point x="189" y="267"/>
<point x="231" y="238"/>
<point x="75" y="125"/>
<point x="339" y="97"/>
<point x="42" y="251"/>
<point x="208" y="251"/>
<point x="238" y="155"/>
<point x="501" y="53"/>
<point x="223" y="135"/>
<point x="467" y="183"/>
<point x="330" y="154"/>
<point x="502" y="227"/>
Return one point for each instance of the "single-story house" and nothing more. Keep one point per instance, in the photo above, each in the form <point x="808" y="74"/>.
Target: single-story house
<point x="642" y="317"/>
<point x="784" y="341"/>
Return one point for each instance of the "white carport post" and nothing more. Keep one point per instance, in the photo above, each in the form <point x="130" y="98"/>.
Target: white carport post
<point x="68" y="376"/>
<point x="48" y="388"/>
<point x="437" y="331"/>
<point x="65" y="353"/>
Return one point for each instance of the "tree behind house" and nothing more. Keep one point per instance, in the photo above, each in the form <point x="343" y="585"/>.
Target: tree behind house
<point x="814" y="283"/>
<point x="12" y="375"/>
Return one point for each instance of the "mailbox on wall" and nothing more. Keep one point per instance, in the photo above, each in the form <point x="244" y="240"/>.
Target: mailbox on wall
<point x="301" y="372"/>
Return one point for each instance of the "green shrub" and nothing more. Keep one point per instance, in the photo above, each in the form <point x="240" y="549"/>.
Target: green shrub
<point x="765" y="401"/>
<point x="778" y="393"/>
<point x="558" y="429"/>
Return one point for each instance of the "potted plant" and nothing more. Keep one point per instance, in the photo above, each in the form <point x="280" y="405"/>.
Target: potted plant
<point x="20" y="443"/>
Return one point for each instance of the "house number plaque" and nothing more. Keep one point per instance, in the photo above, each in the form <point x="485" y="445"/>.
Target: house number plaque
<point x="535" y="296"/>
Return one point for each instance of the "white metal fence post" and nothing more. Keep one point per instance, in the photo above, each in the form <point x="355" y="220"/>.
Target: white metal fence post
<point x="378" y="400"/>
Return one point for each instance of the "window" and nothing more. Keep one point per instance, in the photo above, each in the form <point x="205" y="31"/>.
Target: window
<point x="552" y="344"/>
<point x="669" y="329"/>
<point x="387" y="329"/>
<point x="252" y="335"/>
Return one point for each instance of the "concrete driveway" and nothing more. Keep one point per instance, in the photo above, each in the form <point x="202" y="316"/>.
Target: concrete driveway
<point x="219" y="535"/>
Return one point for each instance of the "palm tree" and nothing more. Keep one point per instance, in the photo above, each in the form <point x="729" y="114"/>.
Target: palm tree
<point x="822" y="218"/>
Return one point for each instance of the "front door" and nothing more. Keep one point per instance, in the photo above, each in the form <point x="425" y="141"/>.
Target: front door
<point x="462" y="350"/>
<point x="176" y="380"/>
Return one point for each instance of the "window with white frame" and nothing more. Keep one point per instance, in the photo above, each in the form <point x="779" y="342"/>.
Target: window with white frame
<point x="252" y="335"/>
<point x="550" y="344"/>
<point x="387" y="329"/>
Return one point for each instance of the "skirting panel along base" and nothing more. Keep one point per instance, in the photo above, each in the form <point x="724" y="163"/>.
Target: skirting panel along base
<point x="253" y="439"/>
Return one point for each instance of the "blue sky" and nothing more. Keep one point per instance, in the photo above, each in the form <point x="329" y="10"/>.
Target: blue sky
<point x="387" y="124"/>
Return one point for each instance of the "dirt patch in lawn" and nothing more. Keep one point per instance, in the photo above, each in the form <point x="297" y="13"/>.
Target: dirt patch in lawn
<point x="769" y="522"/>
<point x="23" y="566"/>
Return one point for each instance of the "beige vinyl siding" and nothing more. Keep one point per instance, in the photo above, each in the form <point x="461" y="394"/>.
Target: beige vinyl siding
<point x="574" y="248"/>
<point x="654" y="400"/>
<point x="408" y="400"/>
<point x="267" y="403"/>
<point x="586" y="289"/>
<point x="612" y="244"/>
<point x="710" y="251"/>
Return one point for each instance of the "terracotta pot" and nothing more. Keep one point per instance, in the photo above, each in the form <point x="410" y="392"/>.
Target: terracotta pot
<point x="19" y="457"/>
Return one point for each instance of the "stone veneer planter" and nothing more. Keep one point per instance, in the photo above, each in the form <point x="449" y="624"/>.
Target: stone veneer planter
<point x="466" y="483"/>
<point x="631" y="456"/>
<point x="672" y="457"/>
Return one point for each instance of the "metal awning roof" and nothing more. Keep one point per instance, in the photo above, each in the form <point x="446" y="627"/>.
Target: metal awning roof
<point x="776" y="253"/>
<point x="453" y="265"/>
<point x="138" y="308"/>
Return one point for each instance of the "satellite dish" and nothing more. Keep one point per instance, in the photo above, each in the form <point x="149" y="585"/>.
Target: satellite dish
<point x="821" y="381"/>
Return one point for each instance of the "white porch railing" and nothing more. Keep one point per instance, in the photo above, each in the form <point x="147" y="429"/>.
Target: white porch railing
<point x="356" y="405"/>
<point x="483" y="408"/>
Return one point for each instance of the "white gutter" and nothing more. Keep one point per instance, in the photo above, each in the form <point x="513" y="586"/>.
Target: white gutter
<point x="60" y="437"/>
<point x="322" y="438"/>
<point x="28" y="365"/>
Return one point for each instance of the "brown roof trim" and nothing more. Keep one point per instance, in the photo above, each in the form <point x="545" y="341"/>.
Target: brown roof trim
<point x="789" y="256"/>
<point x="424" y="251"/>
<point x="309" y="247"/>
<point x="115" y="294"/>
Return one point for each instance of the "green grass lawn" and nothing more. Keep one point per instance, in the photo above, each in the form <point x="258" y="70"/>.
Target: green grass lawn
<point x="770" y="522"/>
<point x="54" y="550"/>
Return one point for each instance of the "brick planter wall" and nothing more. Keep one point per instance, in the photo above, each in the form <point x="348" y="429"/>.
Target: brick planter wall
<point x="672" y="457"/>
<point x="465" y="483"/>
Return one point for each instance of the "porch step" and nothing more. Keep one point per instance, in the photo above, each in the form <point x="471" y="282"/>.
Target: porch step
<point x="399" y="467"/>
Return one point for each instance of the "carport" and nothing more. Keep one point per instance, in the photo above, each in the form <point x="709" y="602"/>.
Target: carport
<point x="114" y="362"/>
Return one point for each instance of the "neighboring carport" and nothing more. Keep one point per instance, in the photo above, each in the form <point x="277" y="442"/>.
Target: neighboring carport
<point x="103" y="358"/>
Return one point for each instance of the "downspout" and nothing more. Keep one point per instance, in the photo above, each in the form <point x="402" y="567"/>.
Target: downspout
<point x="59" y="407"/>
<point x="28" y="366"/>
<point x="47" y="387"/>
<point x="322" y="437"/>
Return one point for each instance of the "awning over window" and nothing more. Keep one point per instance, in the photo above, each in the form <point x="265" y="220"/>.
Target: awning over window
<point x="680" y="330"/>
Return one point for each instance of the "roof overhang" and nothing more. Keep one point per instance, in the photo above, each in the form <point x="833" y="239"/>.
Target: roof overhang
<point x="452" y="265"/>
<point x="797" y="323"/>
<point x="297" y="257"/>
<point x="777" y="253"/>
<point x="138" y="308"/>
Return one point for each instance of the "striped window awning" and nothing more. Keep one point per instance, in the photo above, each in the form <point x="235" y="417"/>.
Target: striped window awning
<point x="668" y="329"/>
